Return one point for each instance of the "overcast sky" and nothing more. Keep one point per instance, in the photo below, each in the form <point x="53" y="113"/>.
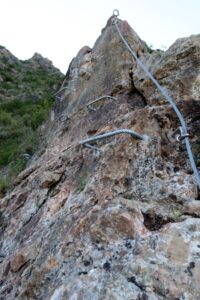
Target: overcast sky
<point x="57" y="29"/>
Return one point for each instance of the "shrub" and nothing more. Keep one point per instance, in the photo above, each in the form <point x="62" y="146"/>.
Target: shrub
<point x="26" y="98"/>
<point x="3" y="186"/>
<point x="19" y="122"/>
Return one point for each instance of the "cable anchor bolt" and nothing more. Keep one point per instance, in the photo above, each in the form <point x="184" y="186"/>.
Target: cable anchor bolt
<point x="180" y="137"/>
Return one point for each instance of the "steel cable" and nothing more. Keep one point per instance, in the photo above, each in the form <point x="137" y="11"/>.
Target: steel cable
<point x="166" y="95"/>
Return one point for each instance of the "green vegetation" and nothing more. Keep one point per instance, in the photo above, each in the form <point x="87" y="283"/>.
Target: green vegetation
<point x="3" y="186"/>
<point x="82" y="179"/>
<point x="18" y="133"/>
<point x="26" y="96"/>
<point x="149" y="48"/>
<point x="82" y="185"/>
<point x="18" y="124"/>
<point x="176" y="215"/>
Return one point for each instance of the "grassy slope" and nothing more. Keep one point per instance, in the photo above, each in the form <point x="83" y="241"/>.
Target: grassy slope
<point x="26" y="96"/>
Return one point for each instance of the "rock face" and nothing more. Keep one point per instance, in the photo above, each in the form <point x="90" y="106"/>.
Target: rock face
<point x="123" y="223"/>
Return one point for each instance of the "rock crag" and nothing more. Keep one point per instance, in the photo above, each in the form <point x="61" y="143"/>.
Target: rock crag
<point x="123" y="222"/>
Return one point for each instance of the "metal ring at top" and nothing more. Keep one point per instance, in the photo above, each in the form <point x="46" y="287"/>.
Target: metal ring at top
<point x="115" y="13"/>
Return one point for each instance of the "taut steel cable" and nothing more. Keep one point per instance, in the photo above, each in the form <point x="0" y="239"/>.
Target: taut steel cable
<point x="184" y="133"/>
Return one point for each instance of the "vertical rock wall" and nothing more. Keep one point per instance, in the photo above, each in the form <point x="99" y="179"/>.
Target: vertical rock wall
<point x="122" y="223"/>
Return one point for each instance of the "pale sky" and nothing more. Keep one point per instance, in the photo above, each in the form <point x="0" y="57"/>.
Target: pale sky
<point x="57" y="29"/>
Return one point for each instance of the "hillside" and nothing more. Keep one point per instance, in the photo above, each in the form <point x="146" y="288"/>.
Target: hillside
<point x="26" y="94"/>
<point x="118" y="218"/>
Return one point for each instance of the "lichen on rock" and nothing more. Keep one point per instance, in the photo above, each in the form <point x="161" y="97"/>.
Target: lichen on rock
<point x="123" y="222"/>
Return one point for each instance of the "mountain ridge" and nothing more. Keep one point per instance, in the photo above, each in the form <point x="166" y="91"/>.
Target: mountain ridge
<point x="122" y="222"/>
<point x="26" y="95"/>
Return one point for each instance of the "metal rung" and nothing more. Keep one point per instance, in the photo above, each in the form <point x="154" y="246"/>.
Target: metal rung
<point x="100" y="98"/>
<point x="112" y="133"/>
<point x="62" y="89"/>
<point x="91" y="147"/>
